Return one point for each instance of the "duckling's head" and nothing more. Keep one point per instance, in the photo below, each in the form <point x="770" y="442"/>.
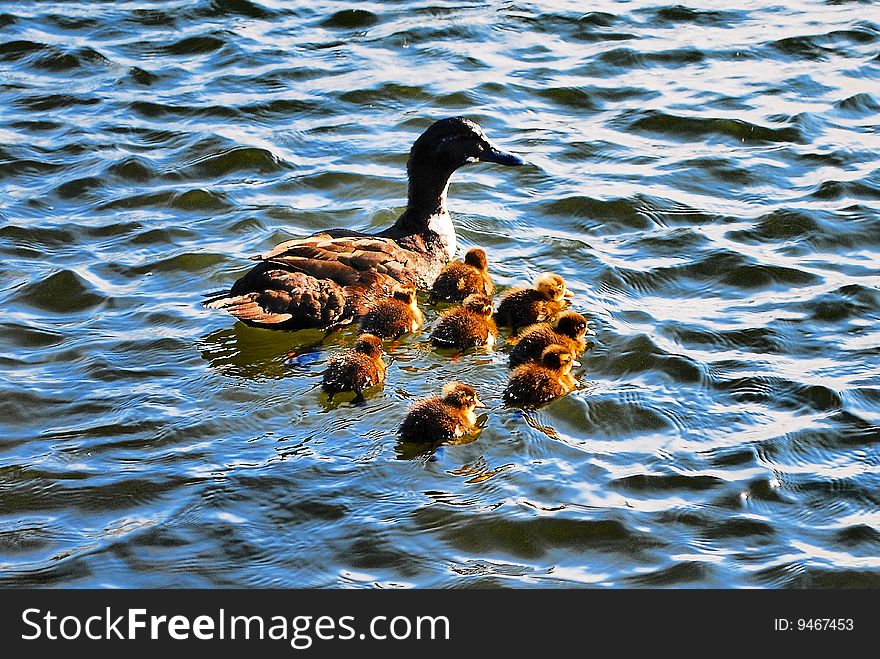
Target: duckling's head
<point x="552" y="287"/>
<point x="405" y="295"/>
<point x="478" y="304"/>
<point x="477" y="258"/>
<point x="368" y="344"/>
<point x="557" y="359"/>
<point x="571" y="324"/>
<point x="450" y="143"/>
<point x="461" y="397"/>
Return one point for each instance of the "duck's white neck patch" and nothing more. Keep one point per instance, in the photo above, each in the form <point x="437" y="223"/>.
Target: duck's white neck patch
<point x="441" y="224"/>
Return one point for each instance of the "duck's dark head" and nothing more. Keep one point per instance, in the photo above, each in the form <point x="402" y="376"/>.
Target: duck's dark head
<point x="450" y="143"/>
<point x="444" y="147"/>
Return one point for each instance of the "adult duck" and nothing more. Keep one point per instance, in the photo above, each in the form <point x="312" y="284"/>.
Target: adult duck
<point x="332" y="277"/>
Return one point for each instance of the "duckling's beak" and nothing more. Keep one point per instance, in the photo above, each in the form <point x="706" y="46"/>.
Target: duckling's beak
<point x="478" y="403"/>
<point x="493" y="154"/>
<point x="575" y="363"/>
<point x="568" y="295"/>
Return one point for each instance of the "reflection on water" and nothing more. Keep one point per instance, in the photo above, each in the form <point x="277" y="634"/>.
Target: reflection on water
<point x="705" y="179"/>
<point x="239" y="350"/>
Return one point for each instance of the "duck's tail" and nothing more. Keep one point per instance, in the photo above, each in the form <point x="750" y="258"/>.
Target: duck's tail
<point x="277" y="298"/>
<point x="249" y="308"/>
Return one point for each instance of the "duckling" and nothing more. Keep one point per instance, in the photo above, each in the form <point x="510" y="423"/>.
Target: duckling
<point x="441" y="418"/>
<point x="357" y="369"/>
<point x="466" y="326"/>
<point x="526" y="306"/>
<point x="459" y="279"/>
<point x="532" y="385"/>
<point x="570" y="330"/>
<point x="392" y="316"/>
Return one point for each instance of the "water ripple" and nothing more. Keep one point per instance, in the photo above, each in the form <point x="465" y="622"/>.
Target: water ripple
<point x="705" y="179"/>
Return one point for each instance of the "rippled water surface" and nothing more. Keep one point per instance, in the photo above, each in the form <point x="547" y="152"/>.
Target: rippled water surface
<point x="706" y="179"/>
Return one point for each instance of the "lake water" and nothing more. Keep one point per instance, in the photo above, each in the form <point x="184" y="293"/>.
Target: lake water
<point x="707" y="180"/>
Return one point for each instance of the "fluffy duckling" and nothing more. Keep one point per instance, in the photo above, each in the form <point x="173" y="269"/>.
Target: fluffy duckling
<point x="458" y="280"/>
<point x="392" y="316"/>
<point x="466" y="326"/>
<point x="441" y="418"/>
<point x="526" y="306"/>
<point x="356" y="369"/>
<point x="570" y="330"/>
<point x="531" y="385"/>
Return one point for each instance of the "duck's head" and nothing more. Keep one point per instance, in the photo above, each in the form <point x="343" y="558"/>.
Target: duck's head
<point x="478" y="304"/>
<point x="369" y="344"/>
<point x="450" y="143"/>
<point x="552" y="287"/>
<point x="571" y="324"/>
<point x="406" y="295"/>
<point x="461" y="397"/>
<point x="476" y="258"/>
<point x="558" y="359"/>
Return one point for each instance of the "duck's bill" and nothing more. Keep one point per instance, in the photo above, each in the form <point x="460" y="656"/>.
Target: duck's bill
<point x="568" y="295"/>
<point x="575" y="363"/>
<point x="496" y="155"/>
<point x="478" y="403"/>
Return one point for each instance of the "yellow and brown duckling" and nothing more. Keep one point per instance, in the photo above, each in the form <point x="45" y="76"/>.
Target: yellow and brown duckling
<point x="570" y="332"/>
<point x="532" y="385"/>
<point x="466" y="326"/>
<point x="460" y="279"/>
<point x="526" y="306"/>
<point x="356" y="369"/>
<point x="392" y="316"/>
<point x="441" y="418"/>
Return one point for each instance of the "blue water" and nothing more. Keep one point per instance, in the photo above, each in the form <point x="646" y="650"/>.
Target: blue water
<point x="706" y="180"/>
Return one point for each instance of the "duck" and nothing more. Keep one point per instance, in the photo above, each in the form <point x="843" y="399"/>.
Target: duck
<point x="441" y="418"/>
<point x="356" y="369"/>
<point x="527" y="306"/>
<point x="533" y="385"/>
<point x="466" y="326"/>
<point x="392" y="316"/>
<point x="570" y="332"/>
<point x="459" y="279"/>
<point x="330" y="278"/>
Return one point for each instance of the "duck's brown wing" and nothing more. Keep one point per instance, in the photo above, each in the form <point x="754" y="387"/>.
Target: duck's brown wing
<point x="319" y="281"/>
<point x="365" y="267"/>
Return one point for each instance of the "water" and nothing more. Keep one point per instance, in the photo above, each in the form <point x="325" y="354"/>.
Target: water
<point x="707" y="181"/>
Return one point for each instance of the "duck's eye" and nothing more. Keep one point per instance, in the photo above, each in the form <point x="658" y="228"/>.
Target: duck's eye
<point x="459" y="149"/>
